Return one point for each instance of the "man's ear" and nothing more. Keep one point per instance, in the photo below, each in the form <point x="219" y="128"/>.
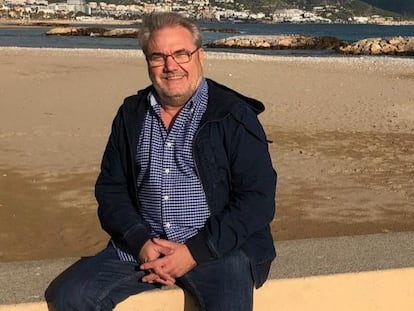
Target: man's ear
<point x="201" y="55"/>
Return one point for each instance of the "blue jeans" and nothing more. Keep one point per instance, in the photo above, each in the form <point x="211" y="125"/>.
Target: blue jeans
<point x="102" y="281"/>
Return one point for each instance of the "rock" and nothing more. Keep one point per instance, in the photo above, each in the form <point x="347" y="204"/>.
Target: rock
<point x="94" y="32"/>
<point x="284" y="43"/>
<point x="75" y="31"/>
<point x="121" y="33"/>
<point x="376" y="49"/>
<point x="91" y="31"/>
<point x="409" y="45"/>
<point x="48" y="24"/>
<point x="244" y="43"/>
<point x="263" y="44"/>
<point x="345" y="49"/>
<point x="395" y="40"/>
<point x="62" y="31"/>
<point x="278" y="42"/>
<point x="328" y="42"/>
<point x="383" y="43"/>
<point x="403" y="46"/>
<point x="389" y="49"/>
<point x="221" y="30"/>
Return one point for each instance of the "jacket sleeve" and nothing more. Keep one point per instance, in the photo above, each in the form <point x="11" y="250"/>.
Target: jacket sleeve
<point x="115" y="191"/>
<point x="251" y="203"/>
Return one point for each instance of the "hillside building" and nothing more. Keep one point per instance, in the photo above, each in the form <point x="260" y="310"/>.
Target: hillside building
<point x="77" y="5"/>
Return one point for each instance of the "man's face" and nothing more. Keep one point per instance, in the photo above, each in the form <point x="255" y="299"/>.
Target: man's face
<point x="175" y="83"/>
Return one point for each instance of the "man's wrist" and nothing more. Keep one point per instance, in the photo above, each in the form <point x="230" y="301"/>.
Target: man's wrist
<point x="199" y="249"/>
<point x="135" y="240"/>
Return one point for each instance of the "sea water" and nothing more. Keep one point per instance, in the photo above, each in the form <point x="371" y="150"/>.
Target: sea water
<point x="28" y="36"/>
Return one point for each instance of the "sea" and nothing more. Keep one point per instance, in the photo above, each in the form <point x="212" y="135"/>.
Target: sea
<point x="29" y="36"/>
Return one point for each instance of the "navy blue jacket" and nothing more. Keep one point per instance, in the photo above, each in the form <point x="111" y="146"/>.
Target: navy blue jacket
<point x="233" y="163"/>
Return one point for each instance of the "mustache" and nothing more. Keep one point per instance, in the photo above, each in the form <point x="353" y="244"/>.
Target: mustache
<point x="170" y="75"/>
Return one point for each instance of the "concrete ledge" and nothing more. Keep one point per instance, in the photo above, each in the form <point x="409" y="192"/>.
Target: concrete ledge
<point x="377" y="290"/>
<point x="381" y="290"/>
<point x="370" y="271"/>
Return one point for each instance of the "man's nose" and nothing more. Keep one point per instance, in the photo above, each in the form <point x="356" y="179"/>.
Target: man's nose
<point x="170" y="63"/>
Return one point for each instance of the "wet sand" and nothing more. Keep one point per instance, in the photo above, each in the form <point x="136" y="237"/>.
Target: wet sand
<point x="342" y="132"/>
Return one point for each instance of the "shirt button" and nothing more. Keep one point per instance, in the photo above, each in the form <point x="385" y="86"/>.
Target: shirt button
<point x="167" y="225"/>
<point x="167" y="171"/>
<point x="169" y="144"/>
<point x="166" y="197"/>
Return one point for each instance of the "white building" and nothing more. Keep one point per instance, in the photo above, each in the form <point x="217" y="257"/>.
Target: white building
<point x="288" y="15"/>
<point x="360" y="19"/>
<point x="93" y="5"/>
<point x="15" y="2"/>
<point x="298" y="16"/>
<point x="60" y="7"/>
<point x="78" y="5"/>
<point x="37" y="2"/>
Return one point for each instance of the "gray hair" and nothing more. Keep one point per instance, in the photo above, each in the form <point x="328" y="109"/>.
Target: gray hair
<point x="158" y="20"/>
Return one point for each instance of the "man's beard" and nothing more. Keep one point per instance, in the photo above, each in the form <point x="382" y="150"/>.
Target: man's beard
<point x="176" y="100"/>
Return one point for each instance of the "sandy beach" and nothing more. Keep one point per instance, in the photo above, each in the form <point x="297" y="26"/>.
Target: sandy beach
<point x="342" y="131"/>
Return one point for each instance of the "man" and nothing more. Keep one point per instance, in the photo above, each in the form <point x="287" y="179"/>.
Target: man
<point x="186" y="189"/>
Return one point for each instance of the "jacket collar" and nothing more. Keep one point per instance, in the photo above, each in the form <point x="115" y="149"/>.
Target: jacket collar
<point x="223" y="96"/>
<point x="221" y="100"/>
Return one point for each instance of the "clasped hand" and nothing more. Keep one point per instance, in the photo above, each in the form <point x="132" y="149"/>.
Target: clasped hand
<point x="164" y="261"/>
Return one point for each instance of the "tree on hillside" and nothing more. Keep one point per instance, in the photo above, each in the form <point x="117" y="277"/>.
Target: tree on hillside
<point x="404" y="7"/>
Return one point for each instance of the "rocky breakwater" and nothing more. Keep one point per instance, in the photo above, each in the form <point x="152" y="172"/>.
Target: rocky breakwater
<point x="279" y="42"/>
<point x="222" y="30"/>
<point x="403" y="46"/>
<point x="112" y="33"/>
<point x="94" y="32"/>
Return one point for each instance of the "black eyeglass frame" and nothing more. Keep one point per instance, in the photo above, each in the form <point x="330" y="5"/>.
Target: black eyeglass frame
<point x="165" y="57"/>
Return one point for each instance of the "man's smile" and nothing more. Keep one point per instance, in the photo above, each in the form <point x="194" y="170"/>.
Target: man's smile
<point x="174" y="77"/>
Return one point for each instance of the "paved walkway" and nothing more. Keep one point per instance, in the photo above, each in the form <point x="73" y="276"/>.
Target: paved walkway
<point x="26" y="281"/>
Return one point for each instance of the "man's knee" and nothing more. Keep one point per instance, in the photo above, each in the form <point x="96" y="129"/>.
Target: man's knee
<point x="63" y="295"/>
<point x="54" y="296"/>
<point x="72" y="290"/>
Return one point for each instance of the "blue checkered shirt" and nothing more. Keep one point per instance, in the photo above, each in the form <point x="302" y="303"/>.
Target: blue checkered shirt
<point x="170" y="194"/>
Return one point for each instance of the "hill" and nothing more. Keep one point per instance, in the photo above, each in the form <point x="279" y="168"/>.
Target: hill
<point x="347" y="8"/>
<point x="403" y="7"/>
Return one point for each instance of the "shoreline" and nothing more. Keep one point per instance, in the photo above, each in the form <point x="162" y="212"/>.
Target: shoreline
<point x="57" y="22"/>
<point x="211" y="54"/>
<point x="131" y="22"/>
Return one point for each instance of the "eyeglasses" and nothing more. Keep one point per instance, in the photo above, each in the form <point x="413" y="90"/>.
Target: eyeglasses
<point x="180" y="57"/>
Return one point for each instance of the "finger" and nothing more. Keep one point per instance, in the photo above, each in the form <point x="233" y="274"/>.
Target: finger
<point x="158" y="277"/>
<point x="164" y="250"/>
<point x="154" y="264"/>
<point x="165" y="282"/>
<point x="158" y="267"/>
<point x="163" y="243"/>
<point x="150" y="278"/>
<point x="163" y="275"/>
